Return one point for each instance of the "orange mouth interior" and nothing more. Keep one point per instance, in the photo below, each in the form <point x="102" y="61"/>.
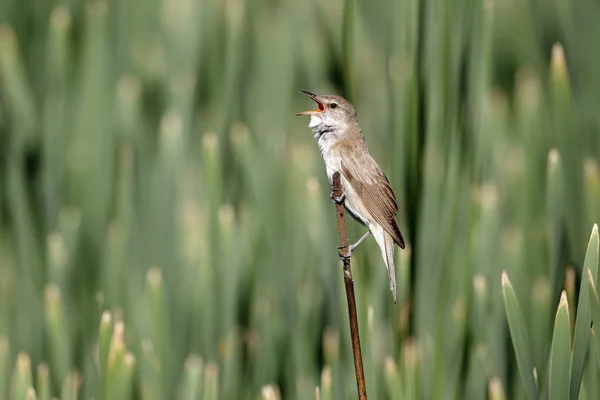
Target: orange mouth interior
<point x="312" y="112"/>
<point x="321" y="107"/>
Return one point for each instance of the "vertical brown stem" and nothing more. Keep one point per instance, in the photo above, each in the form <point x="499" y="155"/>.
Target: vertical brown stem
<point x="349" y="283"/>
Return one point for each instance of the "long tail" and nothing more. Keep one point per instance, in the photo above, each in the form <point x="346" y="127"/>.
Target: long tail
<point x="386" y="245"/>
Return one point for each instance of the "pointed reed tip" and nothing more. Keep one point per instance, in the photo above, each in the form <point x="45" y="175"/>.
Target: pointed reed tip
<point x="129" y="359"/>
<point x="154" y="276"/>
<point x="595" y="229"/>
<point x="591" y="169"/>
<point x="52" y="293"/>
<point x="119" y="330"/>
<point x="129" y="87"/>
<point x="495" y="388"/>
<point x="171" y="126"/>
<point x="487" y="196"/>
<point x="73" y="380"/>
<point x="269" y="392"/>
<point x="558" y="62"/>
<point x="505" y="280"/>
<point x="23" y="362"/>
<point x="390" y="365"/>
<point x="193" y="363"/>
<point x="31" y="393"/>
<point x="410" y="353"/>
<point x="326" y="377"/>
<point x="60" y="17"/>
<point x="212" y="371"/>
<point x="459" y="310"/>
<point x="43" y="369"/>
<point x="210" y="140"/>
<point x="106" y="317"/>
<point x="553" y="157"/>
<point x="479" y="284"/>
<point x="57" y="248"/>
<point x="239" y="133"/>
<point x="226" y="216"/>
<point x="100" y="298"/>
<point x="563" y="299"/>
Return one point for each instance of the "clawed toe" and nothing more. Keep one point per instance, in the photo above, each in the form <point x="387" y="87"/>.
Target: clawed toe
<point x="344" y="256"/>
<point x="337" y="200"/>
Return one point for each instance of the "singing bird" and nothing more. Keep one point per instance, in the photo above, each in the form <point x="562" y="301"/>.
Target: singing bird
<point x="366" y="191"/>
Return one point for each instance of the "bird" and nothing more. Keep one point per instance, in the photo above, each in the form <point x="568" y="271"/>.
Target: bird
<point x="366" y="192"/>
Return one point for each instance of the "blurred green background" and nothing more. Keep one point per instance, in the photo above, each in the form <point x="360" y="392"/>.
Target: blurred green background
<point x="165" y="224"/>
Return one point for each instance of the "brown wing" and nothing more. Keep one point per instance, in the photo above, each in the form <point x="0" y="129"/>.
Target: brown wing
<point x="373" y="188"/>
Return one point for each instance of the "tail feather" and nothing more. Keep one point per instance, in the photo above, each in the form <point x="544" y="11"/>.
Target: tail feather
<point x="386" y="245"/>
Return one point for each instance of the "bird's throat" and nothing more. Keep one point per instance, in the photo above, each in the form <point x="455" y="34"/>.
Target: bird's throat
<point x="315" y="120"/>
<point x="320" y="127"/>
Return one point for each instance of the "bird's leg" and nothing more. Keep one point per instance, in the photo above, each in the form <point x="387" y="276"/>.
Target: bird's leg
<point x="353" y="246"/>
<point x="337" y="200"/>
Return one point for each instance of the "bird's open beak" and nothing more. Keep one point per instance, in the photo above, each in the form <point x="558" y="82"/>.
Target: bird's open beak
<point x="314" y="98"/>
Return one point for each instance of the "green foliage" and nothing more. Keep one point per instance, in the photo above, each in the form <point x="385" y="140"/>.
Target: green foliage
<point x="520" y="338"/>
<point x="567" y="357"/>
<point x="560" y="364"/>
<point x="165" y="225"/>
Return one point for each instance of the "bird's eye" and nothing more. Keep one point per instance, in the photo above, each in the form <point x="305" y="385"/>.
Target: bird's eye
<point x="333" y="105"/>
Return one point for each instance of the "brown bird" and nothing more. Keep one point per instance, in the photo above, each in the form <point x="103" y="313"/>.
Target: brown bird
<point x="366" y="191"/>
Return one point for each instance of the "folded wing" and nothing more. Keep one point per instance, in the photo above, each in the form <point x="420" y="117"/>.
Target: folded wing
<point x="373" y="188"/>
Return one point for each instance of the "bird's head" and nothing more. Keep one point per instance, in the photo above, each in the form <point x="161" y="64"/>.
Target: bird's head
<point x="333" y="111"/>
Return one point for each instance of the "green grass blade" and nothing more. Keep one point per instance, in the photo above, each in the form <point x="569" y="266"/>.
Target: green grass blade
<point x="211" y="379"/>
<point x="21" y="379"/>
<point x="192" y="379"/>
<point x="496" y="390"/>
<point x="116" y="355"/>
<point x="519" y="336"/>
<point x="4" y="366"/>
<point x="71" y="384"/>
<point x="57" y="332"/>
<point x="325" y="389"/>
<point x="16" y="87"/>
<point x="158" y="318"/>
<point x="270" y="392"/>
<point x="560" y="363"/>
<point x="30" y="395"/>
<point x="151" y="380"/>
<point x="582" y="330"/>
<point x="595" y="306"/>
<point x="43" y="382"/>
<point x="106" y="331"/>
<point x="393" y="379"/>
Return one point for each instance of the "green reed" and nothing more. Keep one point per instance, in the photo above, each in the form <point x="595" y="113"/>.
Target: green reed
<point x="165" y="223"/>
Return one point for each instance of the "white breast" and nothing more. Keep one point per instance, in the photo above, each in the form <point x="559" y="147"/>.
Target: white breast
<point x="332" y="164"/>
<point x="333" y="160"/>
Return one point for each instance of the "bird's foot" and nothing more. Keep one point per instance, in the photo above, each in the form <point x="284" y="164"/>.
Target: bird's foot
<point x="345" y="255"/>
<point x="337" y="200"/>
